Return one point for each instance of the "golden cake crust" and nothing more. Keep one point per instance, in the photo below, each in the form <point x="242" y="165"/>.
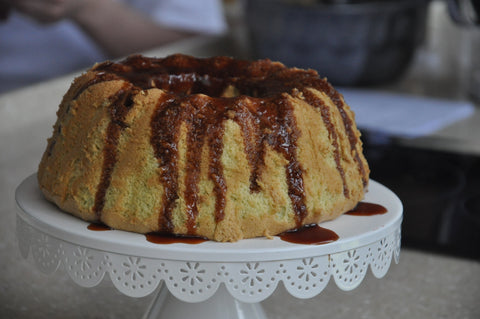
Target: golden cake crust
<point x="217" y="147"/>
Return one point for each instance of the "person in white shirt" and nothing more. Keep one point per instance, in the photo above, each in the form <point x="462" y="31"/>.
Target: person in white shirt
<point x="41" y="39"/>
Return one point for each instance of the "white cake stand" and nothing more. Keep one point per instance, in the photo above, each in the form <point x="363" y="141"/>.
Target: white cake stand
<point x="208" y="280"/>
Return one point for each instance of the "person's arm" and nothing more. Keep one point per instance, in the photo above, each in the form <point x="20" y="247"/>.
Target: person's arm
<point x="115" y="27"/>
<point x="119" y="30"/>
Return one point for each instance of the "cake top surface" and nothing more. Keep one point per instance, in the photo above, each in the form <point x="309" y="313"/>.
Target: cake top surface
<point x="185" y="75"/>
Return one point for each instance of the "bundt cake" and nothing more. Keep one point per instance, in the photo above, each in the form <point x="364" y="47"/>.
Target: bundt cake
<point x="214" y="147"/>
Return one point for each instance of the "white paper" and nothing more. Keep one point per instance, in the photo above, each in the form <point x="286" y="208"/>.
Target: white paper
<point x="404" y="115"/>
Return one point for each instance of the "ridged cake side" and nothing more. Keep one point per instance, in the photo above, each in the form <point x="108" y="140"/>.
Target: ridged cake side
<point x="267" y="150"/>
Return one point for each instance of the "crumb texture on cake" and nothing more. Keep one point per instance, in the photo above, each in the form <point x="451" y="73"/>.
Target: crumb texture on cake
<point x="215" y="147"/>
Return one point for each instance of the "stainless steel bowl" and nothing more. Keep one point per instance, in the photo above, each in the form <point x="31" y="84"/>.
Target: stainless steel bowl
<point x="349" y="42"/>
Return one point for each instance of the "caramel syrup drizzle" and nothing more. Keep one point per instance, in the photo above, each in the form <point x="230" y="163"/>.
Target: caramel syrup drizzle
<point x="118" y="109"/>
<point x="325" y="112"/>
<point x="348" y="124"/>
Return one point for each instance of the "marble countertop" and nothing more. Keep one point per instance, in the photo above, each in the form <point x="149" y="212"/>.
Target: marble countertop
<point x="422" y="285"/>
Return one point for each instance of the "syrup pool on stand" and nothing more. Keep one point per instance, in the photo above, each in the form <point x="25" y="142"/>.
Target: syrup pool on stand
<point x="316" y="235"/>
<point x="165" y="238"/>
<point x="306" y="235"/>
<point x="367" y="209"/>
<point x="98" y="227"/>
<point x="310" y="235"/>
<point x="156" y="238"/>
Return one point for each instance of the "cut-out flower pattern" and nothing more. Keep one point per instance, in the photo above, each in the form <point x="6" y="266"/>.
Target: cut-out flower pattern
<point x="83" y="259"/>
<point x="45" y="247"/>
<point x="134" y="268"/>
<point x="252" y="273"/>
<point x="383" y="251"/>
<point x="193" y="273"/>
<point x="351" y="262"/>
<point x="308" y="270"/>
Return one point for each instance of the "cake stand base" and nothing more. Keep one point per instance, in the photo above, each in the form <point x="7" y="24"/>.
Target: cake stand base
<point x="221" y="305"/>
<point x="210" y="279"/>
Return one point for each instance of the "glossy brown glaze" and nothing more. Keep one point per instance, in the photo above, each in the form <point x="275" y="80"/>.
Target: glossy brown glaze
<point x="193" y="97"/>
<point x="332" y="133"/>
<point x="168" y="238"/>
<point x="118" y="109"/>
<point x="164" y="141"/>
<point x="367" y="209"/>
<point x="98" y="227"/>
<point x="310" y="235"/>
<point x="284" y="140"/>
<point x="348" y="123"/>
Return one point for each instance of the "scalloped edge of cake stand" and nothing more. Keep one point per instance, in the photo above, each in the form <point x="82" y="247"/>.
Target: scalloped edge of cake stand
<point x="186" y="281"/>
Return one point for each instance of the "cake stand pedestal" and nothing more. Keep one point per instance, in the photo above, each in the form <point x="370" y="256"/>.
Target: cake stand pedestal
<point x="211" y="279"/>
